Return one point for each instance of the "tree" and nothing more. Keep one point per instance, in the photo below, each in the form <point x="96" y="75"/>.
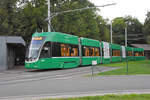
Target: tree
<point x="7" y="16"/>
<point x="104" y="32"/>
<point x="31" y="18"/>
<point x="118" y="30"/>
<point x="27" y="16"/>
<point x="146" y="28"/>
<point x="134" y="30"/>
<point x="81" y="23"/>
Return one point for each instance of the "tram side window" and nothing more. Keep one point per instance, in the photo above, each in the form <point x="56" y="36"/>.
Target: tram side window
<point x="45" y="52"/>
<point x="65" y="50"/>
<point x="56" y="51"/>
<point x="97" y="51"/>
<point x="137" y="53"/>
<point x="74" y="51"/>
<point x="115" y="52"/>
<point x="90" y="51"/>
<point x="129" y="53"/>
<point x="85" y="51"/>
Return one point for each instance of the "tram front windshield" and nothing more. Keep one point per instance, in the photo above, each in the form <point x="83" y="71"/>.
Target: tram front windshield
<point x="34" y="48"/>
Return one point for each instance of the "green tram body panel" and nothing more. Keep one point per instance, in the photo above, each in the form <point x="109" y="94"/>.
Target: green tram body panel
<point x="105" y="60"/>
<point x="115" y="58"/>
<point x="130" y="58"/>
<point x="49" y="63"/>
<point x="137" y="58"/>
<point x="87" y="60"/>
<point x="56" y="62"/>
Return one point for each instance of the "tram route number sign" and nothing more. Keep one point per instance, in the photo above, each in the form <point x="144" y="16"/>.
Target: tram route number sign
<point x="94" y="62"/>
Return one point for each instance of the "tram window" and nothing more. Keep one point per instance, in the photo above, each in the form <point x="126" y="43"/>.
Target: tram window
<point x="90" y="51"/>
<point x="65" y="50"/>
<point x="129" y="53"/>
<point x="45" y="52"/>
<point x="137" y="53"/>
<point x="115" y="52"/>
<point x="85" y="51"/>
<point x="97" y="52"/>
<point x="56" y="51"/>
<point x="74" y="50"/>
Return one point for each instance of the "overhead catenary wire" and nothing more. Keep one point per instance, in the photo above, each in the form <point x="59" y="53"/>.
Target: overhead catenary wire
<point x="80" y="9"/>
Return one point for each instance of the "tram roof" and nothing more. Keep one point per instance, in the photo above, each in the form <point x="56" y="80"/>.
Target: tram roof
<point x="58" y="37"/>
<point x="90" y="42"/>
<point x="138" y="49"/>
<point x="129" y="48"/>
<point x="115" y="46"/>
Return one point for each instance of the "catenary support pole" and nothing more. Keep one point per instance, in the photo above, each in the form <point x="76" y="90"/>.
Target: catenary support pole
<point x="49" y="14"/>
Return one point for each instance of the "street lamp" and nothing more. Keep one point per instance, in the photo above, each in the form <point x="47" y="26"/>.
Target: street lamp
<point x="126" y="33"/>
<point x="111" y="31"/>
<point x="126" y="44"/>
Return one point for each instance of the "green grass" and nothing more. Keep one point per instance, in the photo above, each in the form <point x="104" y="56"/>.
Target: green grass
<point x="134" y="67"/>
<point x="111" y="97"/>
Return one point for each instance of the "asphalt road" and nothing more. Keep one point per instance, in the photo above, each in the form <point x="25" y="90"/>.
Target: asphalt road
<point x="69" y="86"/>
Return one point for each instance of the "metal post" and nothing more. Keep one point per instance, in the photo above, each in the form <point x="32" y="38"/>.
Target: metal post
<point x="126" y="46"/>
<point x="111" y="32"/>
<point x="92" y="67"/>
<point x="127" y="64"/>
<point x="126" y="36"/>
<point x="49" y="14"/>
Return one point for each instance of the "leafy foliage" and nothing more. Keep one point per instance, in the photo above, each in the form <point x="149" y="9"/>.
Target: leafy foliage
<point x="134" y="30"/>
<point x="146" y="28"/>
<point x="118" y="26"/>
<point x="23" y="18"/>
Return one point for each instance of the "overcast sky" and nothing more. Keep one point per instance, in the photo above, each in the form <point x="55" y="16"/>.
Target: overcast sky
<point x="135" y="8"/>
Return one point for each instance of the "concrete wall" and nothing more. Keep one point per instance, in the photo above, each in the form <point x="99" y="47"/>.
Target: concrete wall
<point x="3" y="54"/>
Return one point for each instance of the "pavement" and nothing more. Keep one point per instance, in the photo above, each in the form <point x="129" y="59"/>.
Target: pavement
<point x="71" y="85"/>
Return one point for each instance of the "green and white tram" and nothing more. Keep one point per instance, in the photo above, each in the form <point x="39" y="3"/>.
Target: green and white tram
<point x="49" y="50"/>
